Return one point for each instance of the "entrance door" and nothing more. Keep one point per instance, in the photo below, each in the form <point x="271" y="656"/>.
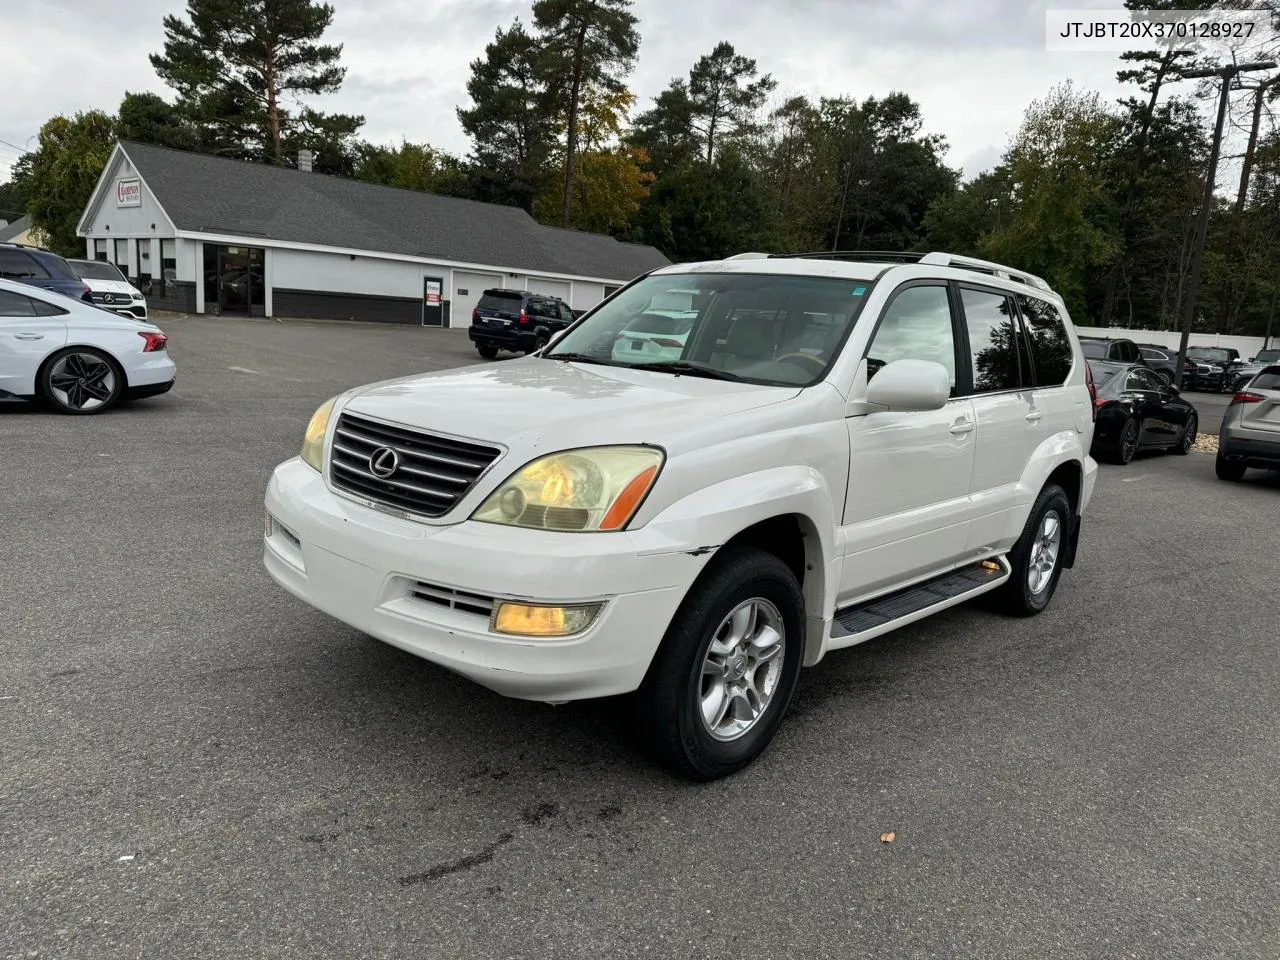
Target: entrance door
<point x="233" y="278"/>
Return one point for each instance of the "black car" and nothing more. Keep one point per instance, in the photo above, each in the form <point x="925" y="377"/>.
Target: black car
<point x="1215" y="367"/>
<point x="516" y="320"/>
<point x="1135" y="411"/>
<point x="41" y="268"/>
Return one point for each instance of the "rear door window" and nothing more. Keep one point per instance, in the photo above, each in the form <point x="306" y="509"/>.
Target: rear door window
<point x="1050" y="346"/>
<point x="1268" y="379"/>
<point x="995" y="356"/>
<point x="18" y="265"/>
<point x="16" y="305"/>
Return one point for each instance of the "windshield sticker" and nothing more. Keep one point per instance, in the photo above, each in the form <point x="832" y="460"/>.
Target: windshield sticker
<point x="859" y="291"/>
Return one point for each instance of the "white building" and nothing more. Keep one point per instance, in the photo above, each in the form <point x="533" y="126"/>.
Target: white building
<point x="206" y="234"/>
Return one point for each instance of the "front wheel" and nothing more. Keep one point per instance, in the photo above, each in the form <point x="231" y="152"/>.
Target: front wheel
<point x="81" y="380"/>
<point x="721" y="682"/>
<point x="1126" y="444"/>
<point x="1188" y="438"/>
<point x="1036" y="558"/>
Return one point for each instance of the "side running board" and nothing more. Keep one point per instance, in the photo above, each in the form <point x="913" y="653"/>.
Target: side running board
<point x="871" y="618"/>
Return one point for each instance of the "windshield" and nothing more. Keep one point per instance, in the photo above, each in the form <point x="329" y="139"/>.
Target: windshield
<point x="1093" y="350"/>
<point x="1267" y="356"/>
<point x="1208" y="353"/>
<point x="758" y="328"/>
<point x="96" y="270"/>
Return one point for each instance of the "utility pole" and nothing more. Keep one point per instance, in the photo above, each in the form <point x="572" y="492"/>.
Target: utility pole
<point x="1227" y="74"/>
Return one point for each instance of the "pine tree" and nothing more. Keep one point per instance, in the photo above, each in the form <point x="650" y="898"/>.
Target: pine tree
<point x="237" y="65"/>
<point x="586" y="45"/>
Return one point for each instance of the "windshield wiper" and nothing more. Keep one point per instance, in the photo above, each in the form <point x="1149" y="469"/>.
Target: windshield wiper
<point x="581" y="358"/>
<point x="686" y="368"/>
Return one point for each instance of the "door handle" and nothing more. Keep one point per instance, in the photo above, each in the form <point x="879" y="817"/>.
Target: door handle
<point x="28" y="336"/>
<point x="1034" y="416"/>
<point x="962" y="426"/>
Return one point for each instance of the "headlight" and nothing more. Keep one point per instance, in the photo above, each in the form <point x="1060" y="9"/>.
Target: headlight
<point x="312" y="452"/>
<point x="597" y="488"/>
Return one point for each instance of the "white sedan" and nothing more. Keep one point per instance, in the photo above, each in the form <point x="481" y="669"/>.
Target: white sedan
<point x="74" y="356"/>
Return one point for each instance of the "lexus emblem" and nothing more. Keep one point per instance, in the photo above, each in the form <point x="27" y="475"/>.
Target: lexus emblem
<point x="383" y="462"/>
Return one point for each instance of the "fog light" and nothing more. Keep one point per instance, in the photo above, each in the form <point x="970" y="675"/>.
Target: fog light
<point x="536" y="620"/>
<point x="267" y="532"/>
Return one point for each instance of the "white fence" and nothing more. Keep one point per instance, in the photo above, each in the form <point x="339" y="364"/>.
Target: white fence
<point x="1248" y="346"/>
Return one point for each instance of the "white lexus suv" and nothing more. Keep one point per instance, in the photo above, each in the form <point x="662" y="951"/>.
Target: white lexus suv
<point x="846" y="444"/>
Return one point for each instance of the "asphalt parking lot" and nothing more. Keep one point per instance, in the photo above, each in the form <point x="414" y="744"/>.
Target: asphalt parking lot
<point x="196" y="765"/>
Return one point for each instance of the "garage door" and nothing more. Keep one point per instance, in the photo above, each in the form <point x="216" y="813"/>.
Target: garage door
<point x="551" y="288"/>
<point x="467" y="288"/>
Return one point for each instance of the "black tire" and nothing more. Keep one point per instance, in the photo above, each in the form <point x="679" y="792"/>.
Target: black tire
<point x="489" y="353"/>
<point x="1165" y="377"/>
<point x="668" y="711"/>
<point x="1188" y="438"/>
<point x="1123" y="451"/>
<point x="1226" y="470"/>
<point x="1016" y="598"/>
<point x="58" y="379"/>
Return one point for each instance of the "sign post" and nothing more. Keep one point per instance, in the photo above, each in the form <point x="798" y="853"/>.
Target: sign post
<point x="432" y="302"/>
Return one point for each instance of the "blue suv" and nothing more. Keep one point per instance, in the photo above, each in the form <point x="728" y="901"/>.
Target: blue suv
<point x="40" y="268"/>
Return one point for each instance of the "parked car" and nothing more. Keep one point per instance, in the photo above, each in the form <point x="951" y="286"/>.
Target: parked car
<point x="109" y="288"/>
<point x="37" y="267"/>
<point x="1163" y="362"/>
<point x="516" y="320"/>
<point x="654" y="335"/>
<point x="1250" y="432"/>
<point x="1215" y="367"/>
<point x="1255" y="366"/>
<point x="1114" y="350"/>
<point x="74" y="356"/>
<point x="806" y="476"/>
<point x="1136" y="410"/>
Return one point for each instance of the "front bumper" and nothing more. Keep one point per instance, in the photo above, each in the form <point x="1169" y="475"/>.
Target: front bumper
<point x="363" y="567"/>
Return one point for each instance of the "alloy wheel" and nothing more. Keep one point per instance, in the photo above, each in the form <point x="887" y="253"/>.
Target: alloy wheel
<point x="1189" y="433"/>
<point x="1129" y="441"/>
<point x="741" y="670"/>
<point x="1044" y="552"/>
<point x="82" y="381"/>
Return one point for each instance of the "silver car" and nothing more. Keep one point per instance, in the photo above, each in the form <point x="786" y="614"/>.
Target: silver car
<point x="1250" y="434"/>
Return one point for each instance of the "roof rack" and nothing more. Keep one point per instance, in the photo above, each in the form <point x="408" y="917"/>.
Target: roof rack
<point x="988" y="267"/>
<point x="888" y="256"/>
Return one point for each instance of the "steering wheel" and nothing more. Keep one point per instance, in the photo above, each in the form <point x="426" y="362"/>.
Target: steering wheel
<point x="816" y="361"/>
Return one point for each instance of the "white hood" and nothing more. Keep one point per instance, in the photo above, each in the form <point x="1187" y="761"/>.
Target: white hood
<point x="119" y="287"/>
<point x="535" y="404"/>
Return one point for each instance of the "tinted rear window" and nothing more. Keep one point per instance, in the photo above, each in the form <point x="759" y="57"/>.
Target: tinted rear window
<point x="1268" y="379"/>
<point x="1050" y="348"/>
<point x="544" y="308"/>
<point x="20" y="265"/>
<point x="1094" y="350"/>
<point x="506" y="302"/>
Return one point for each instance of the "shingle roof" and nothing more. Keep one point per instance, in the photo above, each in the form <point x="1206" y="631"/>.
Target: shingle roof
<point x="16" y="228"/>
<point x="217" y="195"/>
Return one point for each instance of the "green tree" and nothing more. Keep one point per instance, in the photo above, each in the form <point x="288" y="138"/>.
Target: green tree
<point x="412" y="166"/>
<point x="15" y="195"/>
<point x="64" y="170"/>
<point x="961" y="221"/>
<point x="1058" y="165"/>
<point x="586" y="45"/>
<point x="726" y="93"/>
<point x="665" y="131"/>
<point x="237" y="65"/>
<point x="608" y="191"/>
<point x="511" y="120"/>
<point x="149" y="118"/>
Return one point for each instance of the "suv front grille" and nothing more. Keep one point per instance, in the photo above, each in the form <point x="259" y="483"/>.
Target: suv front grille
<point x="431" y="472"/>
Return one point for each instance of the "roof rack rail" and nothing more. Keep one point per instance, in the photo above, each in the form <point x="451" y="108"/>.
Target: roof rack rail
<point x="887" y="256"/>
<point x="750" y="256"/>
<point x="940" y="259"/>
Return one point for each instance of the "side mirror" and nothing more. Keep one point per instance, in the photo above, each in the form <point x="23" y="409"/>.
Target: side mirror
<point x="910" y="385"/>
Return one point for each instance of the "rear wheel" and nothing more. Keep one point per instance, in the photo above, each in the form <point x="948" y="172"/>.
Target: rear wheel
<point x="489" y="353"/>
<point x="81" y="380"/>
<point x="1188" y="438"/>
<point x="1036" y="558"/>
<point x="720" y="684"/>
<point x="1126" y="443"/>
<point x="1164" y="376"/>
<point x="1226" y="470"/>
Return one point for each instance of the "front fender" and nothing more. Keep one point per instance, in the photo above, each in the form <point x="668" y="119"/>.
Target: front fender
<point x="703" y="521"/>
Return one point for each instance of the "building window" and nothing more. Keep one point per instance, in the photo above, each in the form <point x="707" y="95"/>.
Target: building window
<point x="142" y="264"/>
<point x="100" y="249"/>
<point x="122" y="256"/>
<point x="168" y="266"/>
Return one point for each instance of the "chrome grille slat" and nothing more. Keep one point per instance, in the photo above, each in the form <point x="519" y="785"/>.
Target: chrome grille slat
<point x="434" y="472"/>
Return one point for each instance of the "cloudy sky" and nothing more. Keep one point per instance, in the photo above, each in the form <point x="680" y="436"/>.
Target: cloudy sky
<point x="973" y="65"/>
